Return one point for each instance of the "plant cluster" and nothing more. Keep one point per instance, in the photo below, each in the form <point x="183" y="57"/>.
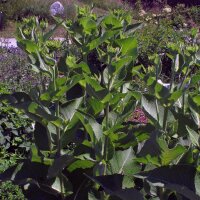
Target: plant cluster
<point x="164" y="31"/>
<point x="15" y="129"/>
<point x="7" y="159"/>
<point x="8" y="191"/>
<point x="87" y="143"/>
<point x="194" y="13"/>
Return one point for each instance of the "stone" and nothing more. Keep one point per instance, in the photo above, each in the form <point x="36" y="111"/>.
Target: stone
<point x="56" y="8"/>
<point x="142" y="13"/>
<point x="167" y="9"/>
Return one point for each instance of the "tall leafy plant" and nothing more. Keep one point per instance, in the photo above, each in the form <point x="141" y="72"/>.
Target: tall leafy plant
<point x="85" y="145"/>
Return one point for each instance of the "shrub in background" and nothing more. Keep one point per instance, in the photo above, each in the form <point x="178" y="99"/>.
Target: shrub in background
<point x="194" y="13"/>
<point x="9" y="191"/>
<point x="17" y="9"/>
<point x="155" y="36"/>
<point x="109" y="4"/>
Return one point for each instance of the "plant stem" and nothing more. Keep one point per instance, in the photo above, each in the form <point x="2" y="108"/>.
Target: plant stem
<point x="57" y="112"/>
<point x="183" y="102"/>
<point x="157" y="111"/>
<point x="172" y="76"/>
<point x="58" y="131"/>
<point x="165" y="118"/>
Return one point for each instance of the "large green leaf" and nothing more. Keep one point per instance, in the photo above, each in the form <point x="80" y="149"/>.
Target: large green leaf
<point x="123" y="163"/>
<point x="194" y="102"/>
<point x="111" y="22"/>
<point x="64" y="187"/>
<point x="108" y="34"/>
<point x="94" y="83"/>
<point x="158" y="89"/>
<point x="69" y="108"/>
<point x="94" y="129"/>
<point x="36" y="112"/>
<point x="41" y="137"/>
<point x="24" y="170"/>
<point x="112" y="184"/>
<point x="117" y="65"/>
<point x="169" y="155"/>
<point x="59" y="164"/>
<point x="153" y="110"/>
<point x="38" y="157"/>
<point x="28" y="45"/>
<point x="88" y="24"/>
<point x="130" y="29"/>
<point x="80" y="164"/>
<point x="194" y="136"/>
<point x="150" y="150"/>
<point x="96" y="105"/>
<point x="129" y="46"/>
<point x="179" y="178"/>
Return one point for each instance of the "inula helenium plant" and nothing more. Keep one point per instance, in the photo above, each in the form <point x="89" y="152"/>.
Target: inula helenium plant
<point x="85" y="144"/>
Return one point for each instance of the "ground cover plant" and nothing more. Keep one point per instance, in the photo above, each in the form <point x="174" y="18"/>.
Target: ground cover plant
<point x="15" y="74"/>
<point x="86" y="144"/>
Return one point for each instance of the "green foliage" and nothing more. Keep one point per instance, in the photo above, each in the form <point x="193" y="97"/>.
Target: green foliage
<point x="88" y="105"/>
<point x="194" y="14"/>
<point x="8" y="191"/>
<point x="7" y="159"/>
<point x="109" y="4"/>
<point x="163" y="32"/>
<point x="15" y="127"/>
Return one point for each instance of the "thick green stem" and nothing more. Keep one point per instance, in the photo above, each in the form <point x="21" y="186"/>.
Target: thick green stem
<point x="107" y="121"/>
<point x="172" y="76"/>
<point x="57" y="112"/>
<point x="165" y="118"/>
<point x="157" y="111"/>
<point x="183" y="102"/>
<point x="58" y="130"/>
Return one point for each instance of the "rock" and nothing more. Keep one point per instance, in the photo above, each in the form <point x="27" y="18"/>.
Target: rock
<point x="185" y="25"/>
<point x="56" y="8"/>
<point x="142" y="13"/>
<point x="167" y="9"/>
